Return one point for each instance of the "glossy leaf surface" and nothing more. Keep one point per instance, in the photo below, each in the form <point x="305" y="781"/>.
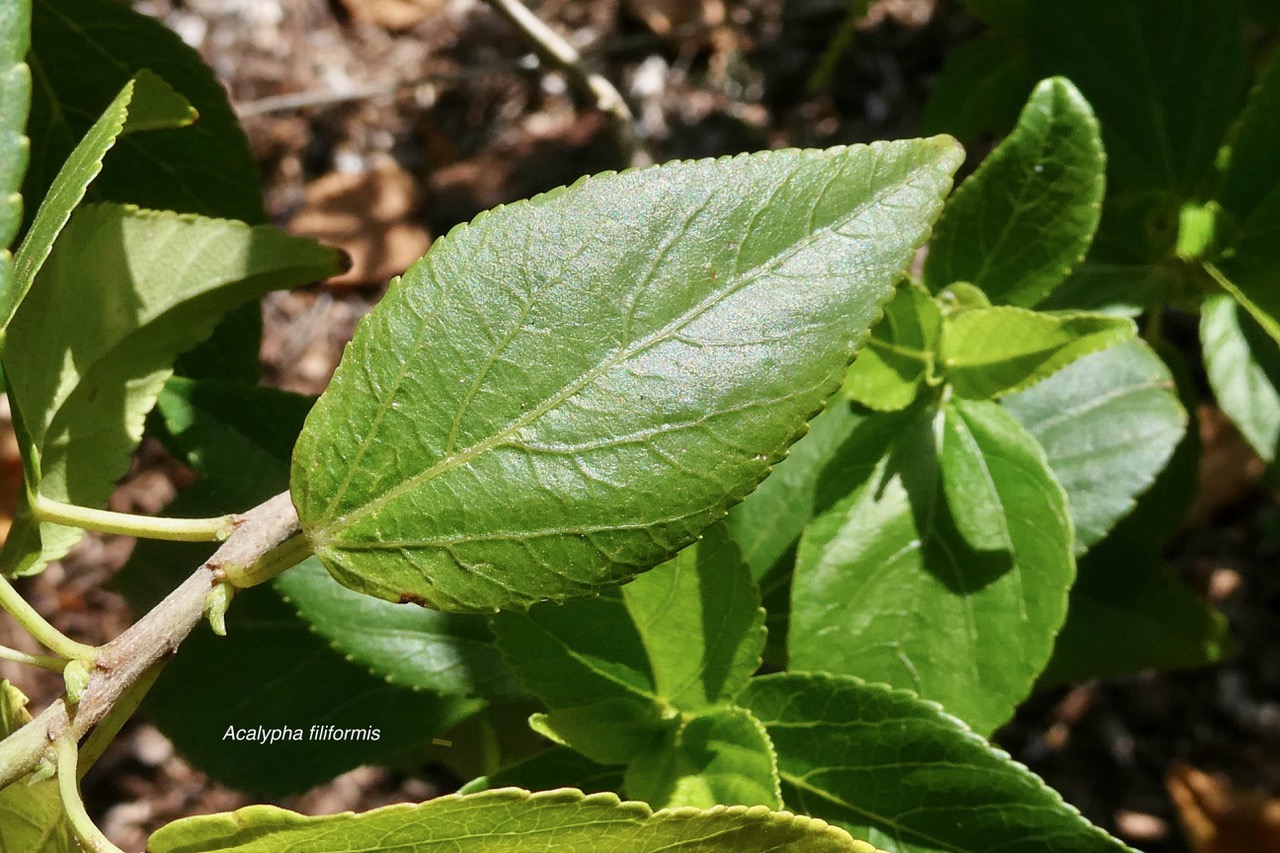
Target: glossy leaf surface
<point x="1025" y="218"/>
<point x="85" y="363"/>
<point x="943" y="568"/>
<point x="899" y="772"/>
<point x="1108" y="424"/>
<point x="562" y="821"/>
<point x="989" y="352"/>
<point x="569" y="389"/>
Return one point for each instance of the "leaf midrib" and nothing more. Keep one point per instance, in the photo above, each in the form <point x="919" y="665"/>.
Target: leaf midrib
<point x="326" y="532"/>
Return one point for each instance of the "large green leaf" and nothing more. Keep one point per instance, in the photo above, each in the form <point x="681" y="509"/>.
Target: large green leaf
<point x="85" y="358"/>
<point x="957" y="601"/>
<point x="562" y="821"/>
<point x="1163" y="117"/>
<point x="568" y="390"/>
<point x="907" y="777"/>
<point x="82" y="53"/>
<point x="720" y="758"/>
<point x="32" y="819"/>
<point x="1108" y="424"/>
<point x="990" y="352"/>
<point x="979" y="89"/>
<point x="1243" y="366"/>
<point x="145" y="103"/>
<point x="1249" y="198"/>
<point x="899" y="356"/>
<point x="15" y="103"/>
<point x="1019" y="225"/>
<point x="769" y="522"/>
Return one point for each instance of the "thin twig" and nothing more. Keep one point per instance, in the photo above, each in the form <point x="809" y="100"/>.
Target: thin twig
<point x="555" y="51"/>
<point x="127" y="659"/>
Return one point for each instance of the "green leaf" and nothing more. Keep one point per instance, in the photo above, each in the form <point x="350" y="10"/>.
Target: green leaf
<point x="558" y="767"/>
<point x="899" y="356"/>
<point x="685" y="636"/>
<point x="271" y="671"/>
<point x="82" y="53"/>
<point x="1130" y="613"/>
<point x="902" y="774"/>
<point x="979" y="89"/>
<point x="510" y="819"/>
<point x="1241" y="361"/>
<point x="239" y="438"/>
<point x="15" y="103"/>
<point x="1249" y="199"/>
<point x="1108" y="424"/>
<point x="721" y="758"/>
<point x="1019" y="225"/>
<point x="568" y="390"/>
<point x="989" y="352"/>
<point x="32" y="818"/>
<point x="221" y="427"/>
<point x="1163" y="117"/>
<point x="412" y="646"/>
<point x="1002" y="15"/>
<point x="145" y="103"/>
<point x="85" y="363"/>
<point x="893" y="583"/>
<point x="769" y="522"/>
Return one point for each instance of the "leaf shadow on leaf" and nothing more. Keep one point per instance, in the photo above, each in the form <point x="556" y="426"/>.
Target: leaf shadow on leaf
<point x="913" y="459"/>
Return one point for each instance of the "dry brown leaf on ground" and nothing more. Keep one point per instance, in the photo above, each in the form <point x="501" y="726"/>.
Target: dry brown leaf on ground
<point x="678" y="19"/>
<point x="394" y="15"/>
<point x="368" y="215"/>
<point x="1229" y="468"/>
<point x="1221" y="819"/>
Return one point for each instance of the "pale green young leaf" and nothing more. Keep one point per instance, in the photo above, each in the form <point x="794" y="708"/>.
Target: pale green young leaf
<point x="145" y="103"/>
<point x="889" y="585"/>
<point x="990" y="352"/>
<point x="1019" y="225"/>
<point x="720" y="758"/>
<point x="570" y="389"/>
<point x="32" y="818"/>
<point x="86" y="357"/>
<point x="769" y="522"/>
<point x="898" y="357"/>
<point x="1108" y="424"/>
<point x="904" y="775"/>
<point x="564" y="821"/>
<point x="82" y="53"/>
<point x="1248" y="196"/>
<point x="1243" y="366"/>
<point x="15" y="103"/>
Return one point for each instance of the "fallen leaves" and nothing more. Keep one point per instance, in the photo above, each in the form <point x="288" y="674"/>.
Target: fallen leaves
<point x="1219" y="818"/>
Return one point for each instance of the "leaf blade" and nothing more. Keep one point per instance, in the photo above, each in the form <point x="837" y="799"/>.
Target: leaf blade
<point x="643" y="322"/>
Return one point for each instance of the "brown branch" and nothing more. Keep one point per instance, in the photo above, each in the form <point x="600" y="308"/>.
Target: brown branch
<point x="155" y="636"/>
